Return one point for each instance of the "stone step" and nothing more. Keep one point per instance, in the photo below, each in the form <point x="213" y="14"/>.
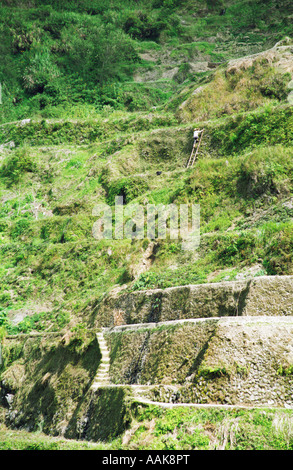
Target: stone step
<point x="102" y="375"/>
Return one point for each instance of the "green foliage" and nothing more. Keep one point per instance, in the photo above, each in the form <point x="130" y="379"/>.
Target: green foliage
<point x="18" y="163"/>
<point x="39" y="71"/>
<point x="22" y="440"/>
<point x="263" y="127"/>
<point x="59" y="54"/>
<point x="183" y="73"/>
<point x="167" y="4"/>
<point x="177" y="429"/>
<point x="276" y="87"/>
<point x="106" y="54"/>
<point x="146" y="281"/>
<point x="70" y="66"/>
<point x="129" y="189"/>
<point x="213" y="372"/>
<point x="237" y="248"/>
<point x="279" y="250"/>
<point x="285" y="371"/>
<point x="84" y="131"/>
<point x="265" y="171"/>
<point x="3" y="332"/>
<point x="140" y="26"/>
<point x="202" y="429"/>
<point x="20" y="227"/>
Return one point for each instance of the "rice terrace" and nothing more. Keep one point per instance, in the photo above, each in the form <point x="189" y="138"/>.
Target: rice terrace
<point x="146" y="227"/>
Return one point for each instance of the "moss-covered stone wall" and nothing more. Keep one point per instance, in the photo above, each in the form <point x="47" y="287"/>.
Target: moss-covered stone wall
<point x="269" y="295"/>
<point x="44" y="378"/>
<point x="219" y="361"/>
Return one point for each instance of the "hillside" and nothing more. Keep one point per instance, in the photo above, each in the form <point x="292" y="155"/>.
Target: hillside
<point x="54" y="65"/>
<point x="100" y="100"/>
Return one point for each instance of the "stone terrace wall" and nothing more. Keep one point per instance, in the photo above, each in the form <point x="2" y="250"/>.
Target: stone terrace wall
<point x="240" y="361"/>
<point x="268" y="295"/>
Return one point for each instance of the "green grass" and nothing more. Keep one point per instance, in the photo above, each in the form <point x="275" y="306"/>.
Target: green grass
<point x="96" y="133"/>
<point x="205" y="429"/>
<point x="53" y="65"/>
<point x="51" y="254"/>
<point x="155" y="428"/>
<point x="22" y="440"/>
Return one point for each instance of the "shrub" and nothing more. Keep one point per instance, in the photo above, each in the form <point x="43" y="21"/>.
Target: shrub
<point x="275" y="86"/>
<point x="265" y="170"/>
<point x="183" y="73"/>
<point x="278" y="259"/>
<point x="129" y="189"/>
<point x="146" y="281"/>
<point x="20" y="228"/>
<point x="15" y="165"/>
<point x="40" y="70"/>
<point x="237" y="248"/>
<point x="140" y="26"/>
<point x="102" y="54"/>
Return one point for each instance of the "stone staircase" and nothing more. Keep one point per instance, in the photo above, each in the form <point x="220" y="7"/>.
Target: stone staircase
<point x="102" y="377"/>
<point x="226" y="344"/>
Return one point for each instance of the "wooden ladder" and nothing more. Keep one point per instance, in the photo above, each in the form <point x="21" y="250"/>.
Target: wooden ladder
<point x="194" y="152"/>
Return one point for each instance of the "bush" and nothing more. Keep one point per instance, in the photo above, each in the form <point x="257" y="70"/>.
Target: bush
<point x="265" y="171"/>
<point x="146" y="281"/>
<point x="103" y="54"/>
<point x="40" y="70"/>
<point x="129" y="189"/>
<point x="275" y="86"/>
<point x="278" y="259"/>
<point x="15" y="165"/>
<point x="140" y="26"/>
<point x="268" y="126"/>
<point x="20" y="228"/>
<point x="237" y="248"/>
<point x="183" y="73"/>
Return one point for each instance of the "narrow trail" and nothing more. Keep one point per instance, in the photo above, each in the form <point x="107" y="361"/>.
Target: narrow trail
<point x="209" y="405"/>
<point x="137" y="391"/>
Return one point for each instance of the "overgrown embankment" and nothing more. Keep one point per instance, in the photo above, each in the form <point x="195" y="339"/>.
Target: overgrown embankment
<point x="46" y="387"/>
<point x="54" y="63"/>
<point x="80" y="128"/>
<point x="50" y="132"/>
<point x="43" y="379"/>
<point x="48" y="197"/>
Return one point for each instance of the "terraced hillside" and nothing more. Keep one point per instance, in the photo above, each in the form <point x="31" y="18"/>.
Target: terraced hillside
<point x="137" y="342"/>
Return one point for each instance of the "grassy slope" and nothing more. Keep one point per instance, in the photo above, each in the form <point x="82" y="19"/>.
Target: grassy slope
<point x="155" y="428"/>
<point x="52" y="265"/>
<point x="43" y="74"/>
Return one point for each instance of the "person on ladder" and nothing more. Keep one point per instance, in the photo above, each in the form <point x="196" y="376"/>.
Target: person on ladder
<point x="196" y="135"/>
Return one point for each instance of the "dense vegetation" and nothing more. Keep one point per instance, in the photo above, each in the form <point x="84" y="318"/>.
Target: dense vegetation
<point x="177" y="429"/>
<point x="69" y="58"/>
<point x="93" y="66"/>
